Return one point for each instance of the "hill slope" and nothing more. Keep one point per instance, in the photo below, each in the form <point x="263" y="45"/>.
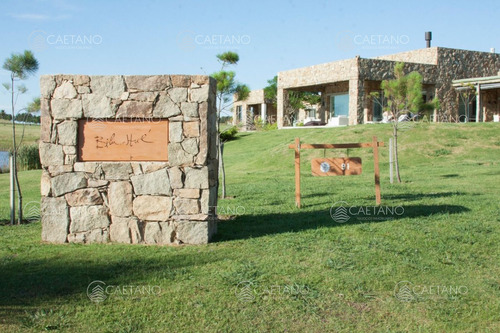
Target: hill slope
<point x="427" y="261"/>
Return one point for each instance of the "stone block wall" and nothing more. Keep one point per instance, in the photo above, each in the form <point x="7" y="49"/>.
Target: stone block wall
<point x="319" y="74"/>
<point x="457" y="64"/>
<point x="428" y="56"/>
<point x="144" y="202"/>
<point x="255" y="97"/>
<point x="438" y="66"/>
<point x="451" y="64"/>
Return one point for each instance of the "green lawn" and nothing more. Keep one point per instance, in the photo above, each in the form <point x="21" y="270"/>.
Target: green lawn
<point x="275" y="268"/>
<point x="31" y="134"/>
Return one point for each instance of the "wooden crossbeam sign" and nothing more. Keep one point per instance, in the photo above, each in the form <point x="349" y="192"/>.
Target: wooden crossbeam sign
<point x="336" y="166"/>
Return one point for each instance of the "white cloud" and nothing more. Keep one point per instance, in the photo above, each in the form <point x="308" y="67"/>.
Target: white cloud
<point x="39" y="17"/>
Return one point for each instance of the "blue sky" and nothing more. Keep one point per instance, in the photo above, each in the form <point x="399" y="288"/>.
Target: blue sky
<point x="183" y="37"/>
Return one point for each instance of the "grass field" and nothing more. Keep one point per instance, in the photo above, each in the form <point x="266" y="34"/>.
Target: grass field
<point x="31" y="134"/>
<point x="431" y="267"/>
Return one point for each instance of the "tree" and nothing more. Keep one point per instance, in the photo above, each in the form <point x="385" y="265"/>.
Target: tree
<point x="467" y="94"/>
<point x="227" y="87"/>
<point x="4" y="115"/>
<point x="20" y="66"/>
<point x="402" y="96"/>
<point x="27" y="116"/>
<point x="296" y="99"/>
<point x="271" y="91"/>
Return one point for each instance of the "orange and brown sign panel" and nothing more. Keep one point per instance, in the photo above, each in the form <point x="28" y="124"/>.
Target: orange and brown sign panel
<point x="119" y="140"/>
<point x="336" y="166"/>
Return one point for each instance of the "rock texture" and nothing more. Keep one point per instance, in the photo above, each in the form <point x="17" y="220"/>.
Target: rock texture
<point x="144" y="202"/>
<point x="438" y="66"/>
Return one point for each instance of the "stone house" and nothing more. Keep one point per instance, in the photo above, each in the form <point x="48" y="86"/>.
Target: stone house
<point x="479" y="98"/>
<point x="309" y="114"/>
<point x="246" y="112"/>
<point x="345" y="85"/>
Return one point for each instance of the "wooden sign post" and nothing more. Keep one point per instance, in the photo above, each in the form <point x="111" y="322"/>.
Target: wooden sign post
<point x="297" y="172"/>
<point x="337" y="166"/>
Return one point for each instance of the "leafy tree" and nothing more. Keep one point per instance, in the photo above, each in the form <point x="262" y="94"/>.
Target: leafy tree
<point x="271" y="91"/>
<point x="403" y="95"/>
<point x="4" y="115"/>
<point x="227" y="86"/>
<point x="296" y="99"/>
<point x="20" y="66"/>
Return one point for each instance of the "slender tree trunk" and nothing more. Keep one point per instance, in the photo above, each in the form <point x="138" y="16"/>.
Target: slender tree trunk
<point x="222" y="170"/>
<point x="14" y="157"/>
<point x="396" y="158"/>
<point x="19" y="194"/>
<point x="13" y="165"/>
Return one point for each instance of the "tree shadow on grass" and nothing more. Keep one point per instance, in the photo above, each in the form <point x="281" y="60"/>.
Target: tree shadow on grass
<point x="6" y="222"/>
<point x="316" y="195"/>
<point x="452" y="175"/>
<point x="420" y="196"/>
<point x="252" y="226"/>
<point x="57" y="277"/>
<point x="237" y="137"/>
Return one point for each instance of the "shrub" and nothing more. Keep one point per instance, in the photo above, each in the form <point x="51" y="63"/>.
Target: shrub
<point x="229" y="134"/>
<point x="259" y="124"/>
<point x="441" y="152"/>
<point x="270" y="127"/>
<point x="28" y="158"/>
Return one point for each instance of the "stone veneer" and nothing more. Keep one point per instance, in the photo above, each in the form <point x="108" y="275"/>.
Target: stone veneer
<point x="129" y="202"/>
<point x="438" y="66"/>
<point x="257" y="100"/>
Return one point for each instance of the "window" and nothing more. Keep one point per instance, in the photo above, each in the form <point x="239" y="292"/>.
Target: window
<point x="339" y="105"/>
<point x="238" y="114"/>
<point x="311" y="112"/>
<point x="250" y="117"/>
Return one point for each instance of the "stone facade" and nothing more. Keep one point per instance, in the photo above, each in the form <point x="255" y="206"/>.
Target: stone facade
<point x="129" y="202"/>
<point x="358" y="77"/>
<point x="246" y="112"/>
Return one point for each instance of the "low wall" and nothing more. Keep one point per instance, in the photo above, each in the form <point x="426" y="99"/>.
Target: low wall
<point x="167" y="197"/>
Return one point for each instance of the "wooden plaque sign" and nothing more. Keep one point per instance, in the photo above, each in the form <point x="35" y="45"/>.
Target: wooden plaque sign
<point x="119" y="140"/>
<point x="336" y="166"/>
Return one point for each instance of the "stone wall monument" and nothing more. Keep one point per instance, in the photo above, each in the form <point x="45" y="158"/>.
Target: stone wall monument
<point x="128" y="159"/>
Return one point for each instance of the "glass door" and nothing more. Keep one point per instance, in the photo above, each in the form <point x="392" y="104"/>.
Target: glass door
<point x="377" y="110"/>
<point x="339" y="105"/>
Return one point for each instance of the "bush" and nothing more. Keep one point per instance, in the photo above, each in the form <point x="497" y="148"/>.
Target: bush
<point x="270" y="127"/>
<point x="28" y="158"/>
<point x="229" y="134"/>
<point x="440" y="152"/>
<point x="260" y="125"/>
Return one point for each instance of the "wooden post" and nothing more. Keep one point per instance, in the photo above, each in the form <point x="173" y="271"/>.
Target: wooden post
<point x="376" y="170"/>
<point x="297" y="172"/>
<point x="297" y="146"/>
<point x="12" y="191"/>
<point x="391" y="162"/>
<point x="478" y="102"/>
